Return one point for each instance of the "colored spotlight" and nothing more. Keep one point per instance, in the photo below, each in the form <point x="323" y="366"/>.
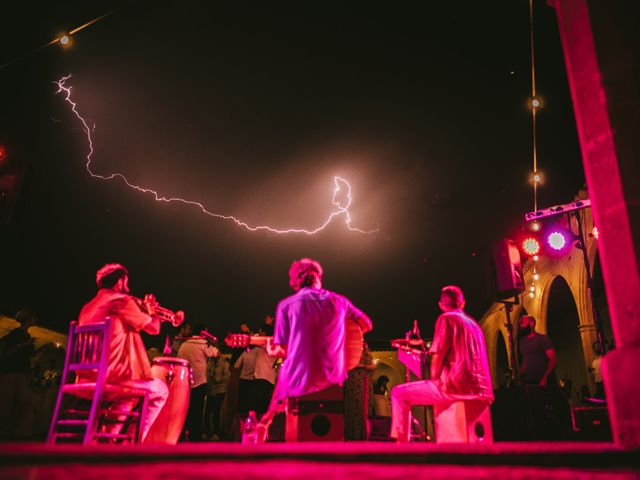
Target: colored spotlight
<point x="530" y="246"/>
<point x="557" y="240"/>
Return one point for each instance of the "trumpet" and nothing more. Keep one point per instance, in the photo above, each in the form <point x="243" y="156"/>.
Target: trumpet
<point x="165" y="315"/>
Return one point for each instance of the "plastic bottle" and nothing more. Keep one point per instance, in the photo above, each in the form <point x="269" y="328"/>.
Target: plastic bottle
<point x="250" y="432"/>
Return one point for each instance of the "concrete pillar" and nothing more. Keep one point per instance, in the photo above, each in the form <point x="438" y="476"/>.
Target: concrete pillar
<point x="600" y="46"/>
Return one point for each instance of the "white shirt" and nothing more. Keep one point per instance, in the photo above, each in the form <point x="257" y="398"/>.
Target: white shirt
<point x="247" y="362"/>
<point x="197" y="352"/>
<point x="264" y="366"/>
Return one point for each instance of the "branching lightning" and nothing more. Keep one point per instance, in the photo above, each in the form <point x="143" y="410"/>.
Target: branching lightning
<point x="342" y="188"/>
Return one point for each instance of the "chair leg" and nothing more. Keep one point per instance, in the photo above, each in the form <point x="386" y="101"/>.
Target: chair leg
<point x="92" y="423"/>
<point x="142" y="418"/>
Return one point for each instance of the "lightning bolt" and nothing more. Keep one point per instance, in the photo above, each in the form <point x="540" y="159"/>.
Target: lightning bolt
<point x="341" y="199"/>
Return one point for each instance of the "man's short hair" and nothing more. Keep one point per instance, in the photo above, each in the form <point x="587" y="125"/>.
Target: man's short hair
<point x="452" y="296"/>
<point x="304" y="273"/>
<point x="109" y="275"/>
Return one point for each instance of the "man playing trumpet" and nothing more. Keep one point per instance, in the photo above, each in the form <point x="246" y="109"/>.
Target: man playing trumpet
<point x="128" y="361"/>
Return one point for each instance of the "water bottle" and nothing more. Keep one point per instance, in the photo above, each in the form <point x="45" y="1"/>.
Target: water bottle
<point x="250" y="432"/>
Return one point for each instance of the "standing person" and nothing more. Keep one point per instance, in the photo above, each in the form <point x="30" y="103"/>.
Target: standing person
<point x="186" y="331"/>
<point x="264" y="375"/>
<point x="219" y="374"/>
<point x="459" y="366"/>
<point x="246" y="367"/>
<point x="16" y="400"/>
<point x="197" y="350"/>
<point x="381" y="404"/>
<point x="595" y="370"/>
<point x="310" y="332"/>
<point x="538" y="355"/>
<point x="128" y="360"/>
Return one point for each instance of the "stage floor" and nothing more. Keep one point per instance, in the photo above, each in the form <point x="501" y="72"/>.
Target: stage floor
<point x="311" y="461"/>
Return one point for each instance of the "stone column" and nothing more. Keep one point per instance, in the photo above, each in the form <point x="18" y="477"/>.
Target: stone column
<point x="600" y="43"/>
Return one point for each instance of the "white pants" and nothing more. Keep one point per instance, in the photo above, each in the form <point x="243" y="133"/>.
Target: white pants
<point x="403" y="397"/>
<point x="158" y="393"/>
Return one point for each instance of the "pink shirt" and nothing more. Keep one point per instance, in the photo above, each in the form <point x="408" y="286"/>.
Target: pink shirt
<point x="311" y="323"/>
<point x="128" y="358"/>
<point x="465" y="368"/>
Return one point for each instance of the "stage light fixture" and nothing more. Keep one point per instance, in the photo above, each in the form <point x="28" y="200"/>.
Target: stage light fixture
<point x="531" y="246"/>
<point x="557" y="240"/>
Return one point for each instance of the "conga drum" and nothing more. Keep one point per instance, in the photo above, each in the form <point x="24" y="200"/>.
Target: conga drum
<point x="176" y="373"/>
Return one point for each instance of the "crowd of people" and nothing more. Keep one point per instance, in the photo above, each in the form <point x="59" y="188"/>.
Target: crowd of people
<point x="304" y="351"/>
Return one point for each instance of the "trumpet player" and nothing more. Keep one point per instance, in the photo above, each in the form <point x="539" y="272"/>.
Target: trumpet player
<point x="128" y="361"/>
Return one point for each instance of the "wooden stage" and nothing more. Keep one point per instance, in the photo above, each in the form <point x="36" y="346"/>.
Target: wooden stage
<point x="311" y="461"/>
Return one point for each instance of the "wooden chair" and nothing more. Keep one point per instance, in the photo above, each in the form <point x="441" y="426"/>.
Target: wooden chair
<point x="82" y="413"/>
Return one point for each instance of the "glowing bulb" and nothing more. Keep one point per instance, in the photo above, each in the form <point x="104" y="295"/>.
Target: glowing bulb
<point x="535" y="103"/>
<point x="531" y="294"/>
<point x="535" y="226"/>
<point x="536" y="178"/>
<point x="536" y="258"/>
<point x="556" y="241"/>
<point x="532" y="288"/>
<point x="65" y="40"/>
<point x="594" y="233"/>
<point x="536" y="276"/>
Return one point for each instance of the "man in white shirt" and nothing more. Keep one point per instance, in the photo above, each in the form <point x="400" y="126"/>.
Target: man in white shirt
<point x="197" y="350"/>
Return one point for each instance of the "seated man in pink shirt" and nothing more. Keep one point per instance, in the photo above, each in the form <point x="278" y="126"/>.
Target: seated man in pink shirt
<point x="310" y="334"/>
<point x="459" y="366"/>
<point x="128" y="360"/>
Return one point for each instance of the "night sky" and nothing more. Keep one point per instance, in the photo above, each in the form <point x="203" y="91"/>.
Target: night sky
<point x="252" y="108"/>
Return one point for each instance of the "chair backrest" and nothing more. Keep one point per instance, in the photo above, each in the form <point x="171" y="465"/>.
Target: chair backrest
<point x="88" y="350"/>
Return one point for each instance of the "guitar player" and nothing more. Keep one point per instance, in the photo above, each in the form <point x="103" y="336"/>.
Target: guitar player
<point x="310" y="333"/>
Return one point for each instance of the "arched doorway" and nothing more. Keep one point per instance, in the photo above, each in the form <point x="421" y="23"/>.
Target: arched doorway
<point x="563" y="329"/>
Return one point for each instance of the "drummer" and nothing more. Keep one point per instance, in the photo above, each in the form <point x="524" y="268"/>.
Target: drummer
<point x="197" y="350"/>
<point x="128" y="361"/>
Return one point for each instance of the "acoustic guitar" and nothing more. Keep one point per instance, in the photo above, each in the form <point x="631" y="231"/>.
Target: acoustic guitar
<point x="353" y="345"/>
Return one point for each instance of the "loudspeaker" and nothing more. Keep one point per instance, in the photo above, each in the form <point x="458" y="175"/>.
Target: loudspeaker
<point x="591" y="423"/>
<point x="317" y="417"/>
<point x="509" y="280"/>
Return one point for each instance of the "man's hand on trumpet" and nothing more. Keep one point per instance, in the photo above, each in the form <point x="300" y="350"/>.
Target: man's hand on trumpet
<point x="150" y="304"/>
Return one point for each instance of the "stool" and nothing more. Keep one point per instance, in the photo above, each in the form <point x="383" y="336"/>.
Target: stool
<point x="317" y="417"/>
<point x="467" y="421"/>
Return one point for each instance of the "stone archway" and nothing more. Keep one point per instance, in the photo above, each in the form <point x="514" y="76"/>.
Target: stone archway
<point x="563" y="329"/>
<point x="571" y="268"/>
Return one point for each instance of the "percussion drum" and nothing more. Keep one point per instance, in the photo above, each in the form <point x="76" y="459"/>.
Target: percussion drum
<point x="177" y="374"/>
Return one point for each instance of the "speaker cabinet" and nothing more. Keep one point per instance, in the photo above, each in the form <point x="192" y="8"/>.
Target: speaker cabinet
<point x="317" y="417"/>
<point x="509" y="279"/>
<point x="591" y="423"/>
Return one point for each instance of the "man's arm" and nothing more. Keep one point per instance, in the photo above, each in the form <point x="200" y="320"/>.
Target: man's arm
<point x="551" y="364"/>
<point x="436" y="366"/>
<point x="275" y="349"/>
<point x="365" y="323"/>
